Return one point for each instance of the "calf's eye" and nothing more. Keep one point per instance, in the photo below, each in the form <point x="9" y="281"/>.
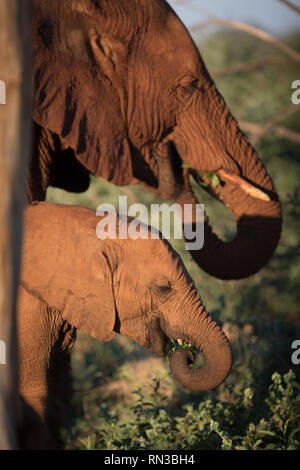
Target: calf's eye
<point x="164" y="289"/>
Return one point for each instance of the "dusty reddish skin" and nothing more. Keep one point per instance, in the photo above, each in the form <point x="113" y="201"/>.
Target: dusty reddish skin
<point x="121" y="91"/>
<point x="72" y="280"/>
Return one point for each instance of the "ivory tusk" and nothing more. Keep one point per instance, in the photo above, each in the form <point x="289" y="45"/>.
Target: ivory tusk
<point x="244" y="185"/>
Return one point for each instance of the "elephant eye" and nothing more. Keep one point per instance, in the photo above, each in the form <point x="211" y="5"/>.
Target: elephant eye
<point x="186" y="87"/>
<point x="163" y="288"/>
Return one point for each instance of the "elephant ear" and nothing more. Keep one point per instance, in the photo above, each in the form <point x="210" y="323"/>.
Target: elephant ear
<point x="77" y="90"/>
<point x="66" y="266"/>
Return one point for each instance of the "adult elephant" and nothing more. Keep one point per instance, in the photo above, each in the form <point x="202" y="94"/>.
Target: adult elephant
<point x="122" y="92"/>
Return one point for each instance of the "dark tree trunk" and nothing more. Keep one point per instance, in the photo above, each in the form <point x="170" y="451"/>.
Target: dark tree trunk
<point x="15" y="138"/>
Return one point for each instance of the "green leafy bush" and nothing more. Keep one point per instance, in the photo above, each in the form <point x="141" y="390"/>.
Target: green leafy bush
<point x="213" y="424"/>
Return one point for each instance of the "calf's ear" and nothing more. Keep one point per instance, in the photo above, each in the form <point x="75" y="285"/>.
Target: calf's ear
<point x="67" y="267"/>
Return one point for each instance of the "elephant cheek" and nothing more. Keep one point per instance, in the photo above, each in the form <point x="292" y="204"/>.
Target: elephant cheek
<point x="156" y="338"/>
<point x="136" y="329"/>
<point x="145" y="333"/>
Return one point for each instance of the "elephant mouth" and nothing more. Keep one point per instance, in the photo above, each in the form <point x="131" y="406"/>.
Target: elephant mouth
<point x="181" y="353"/>
<point x="189" y="348"/>
<point x="201" y="358"/>
<point x="171" y="181"/>
<point x="164" y="341"/>
<point x="248" y="193"/>
<point x="222" y="176"/>
<point x="174" y="340"/>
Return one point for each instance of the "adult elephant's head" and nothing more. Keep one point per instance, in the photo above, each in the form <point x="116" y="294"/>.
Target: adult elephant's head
<point x="123" y="86"/>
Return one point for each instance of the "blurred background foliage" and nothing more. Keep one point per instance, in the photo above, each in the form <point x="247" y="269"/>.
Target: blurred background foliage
<point x="125" y="397"/>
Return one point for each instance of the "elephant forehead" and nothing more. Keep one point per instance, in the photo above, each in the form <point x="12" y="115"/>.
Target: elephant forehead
<point x="174" y="41"/>
<point x="156" y="259"/>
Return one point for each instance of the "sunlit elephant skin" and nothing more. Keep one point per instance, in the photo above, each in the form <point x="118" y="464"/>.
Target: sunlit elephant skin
<point x="70" y="279"/>
<point x="121" y="91"/>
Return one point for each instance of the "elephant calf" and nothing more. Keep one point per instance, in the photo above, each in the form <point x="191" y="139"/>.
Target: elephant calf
<point x="70" y="279"/>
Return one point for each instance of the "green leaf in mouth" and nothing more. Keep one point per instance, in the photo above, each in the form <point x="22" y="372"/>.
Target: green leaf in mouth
<point x="185" y="165"/>
<point x="215" y="180"/>
<point x="173" y="346"/>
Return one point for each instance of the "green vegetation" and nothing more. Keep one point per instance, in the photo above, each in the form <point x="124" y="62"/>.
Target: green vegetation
<point x="125" y="397"/>
<point x="212" y="424"/>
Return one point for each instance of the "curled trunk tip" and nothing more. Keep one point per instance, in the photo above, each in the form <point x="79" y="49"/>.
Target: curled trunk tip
<point x="218" y="362"/>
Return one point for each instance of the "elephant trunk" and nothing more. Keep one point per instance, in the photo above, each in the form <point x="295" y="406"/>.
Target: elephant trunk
<point x="245" y="188"/>
<point x="258" y="233"/>
<point x="216" y="350"/>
